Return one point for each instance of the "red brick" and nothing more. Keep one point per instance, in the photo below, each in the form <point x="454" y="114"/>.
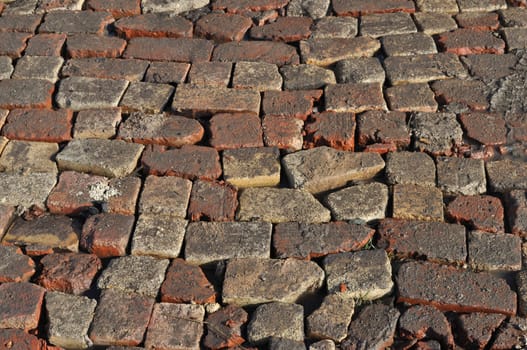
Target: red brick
<point x="224" y="327"/>
<point x="210" y="74"/>
<point x="284" y="132"/>
<point x="235" y="130"/>
<point x="284" y="29"/>
<point x="107" y="235"/>
<point x="91" y="45"/>
<point x="169" y="49"/>
<point x="71" y="273"/>
<point x="155" y="25"/>
<point x="252" y="51"/>
<point x="12" y="44"/>
<point x="294" y="103"/>
<point x="14" y="265"/>
<point x="212" y="201"/>
<point x="486" y="128"/>
<point x="332" y="129"/>
<point x="354" y="98"/>
<point x="475" y="330"/>
<point x="451" y="289"/>
<point x="309" y="241"/>
<point x="483" y="213"/>
<point x="45" y="45"/>
<point x="383" y="127"/>
<point x="516" y="204"/>
<point x="425" y="321"/>
<point x="478" y="20"/>
<point x="236" y="6"/>
<point x="470" y="93"/>
<point x="366" y="7"/>
<point x="381" y="148"/>
<point x="19" y="23"/>
<point x="117" y="8"/>
<point x="469" y="41"/>
<point x="26" y="93"/>
<point x="185" y="283"/>
<point x="223" y="27"/>
<point x="189" y="161"/>
<point x="39" y="125"/>
<point x="70" y="22"/>
<point x="17" y="339"/>
<point x="512" y="335"/>
<point x="20" y="305"/>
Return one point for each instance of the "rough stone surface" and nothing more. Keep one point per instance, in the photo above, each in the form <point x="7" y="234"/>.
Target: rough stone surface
<point x="297" y="104"/>
<point x="251" y="51"/>
<point x="326" y="51"/>
<point x="215" y="201"/>
<point x="13" y="44"/>
<point x="410" y="168"/>
<point x="39" y="125"/>
<point x="153" y="25"/>
<point x="105" y="68"/>
<point x="417" y="202"/>
<point x="223" y="27"/>
<point x="210" y="74"/>
<point x="485" y="128"/>
<point x="255" y="281"/>
<point x="70" y="22"/>
<point x="411" y="98"/>
<point x="45" y="45"/>
<point x="485" y="251"/>
<point x="354" y="98"/>
<point x="308" y="8"/>
<point x="92" y="45"/>
<point x="283" y="132"/>
<point x="186" y="283"/>
<point x="521" y="282"/>
<point x="476" y="329"/>
<point x="259" y="76"/>
<point x="361" y="202"/>
<point x="505" y="175"/>
<point x="469" y="41"/>
<point x="79" y="93"/>
<point x="408" y="44"/>
<point x="146" y="97"/>
<point x="276" y="319"/>
<point x="20" y="305"/>
<point x="17" y="339"/>
<point x="237" y="130"/>
<point x="306" y="77"/>
<point x="334" y="27"/>
<point x="6" y="67"/>
<point x="118" y="8"/>
<point x="377" y="25"/>
<point x="107" y="235"/>
<point x="336" y="130"/>
<point x="436" y="133"/>
<point x="286" y="29"/>
<point x="188" y="50"/>
<point x="364" y="7"/>
<point x="252" y="167"/>
<point x="425" y="321"/>
<point x="29" y="157"/>
<point x="461" y="94"/>
<point x="26" y="190"/>
<point x="511" y="335"/>
<point x="167" y="72"/>
<point x="166" y="196"/>
<point x="38" y="67"/>
<point x="516" y="209"/>
<point x="25" y="93"/>
<point x="383" y="127"/>
<point x="331" y="319"/>
<point x="172" y="6"/>
<point x="158" y="235"/>
<point x="478" y="212"/>
<point x="14" y="265"/>
<point x="360" y="70"/>
<point x="461" y="176"/>
<point x="224" y="327"/>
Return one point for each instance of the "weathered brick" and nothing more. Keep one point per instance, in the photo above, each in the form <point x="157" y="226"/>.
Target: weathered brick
<point x="308" y="241"/>
<point x="408" y="44"/>
<point x="333" y="129"/>
<point x="506" y="175"/>
<point x="25" y="93"/>
<point x="326" y="51"/>
<point x="207" y="242"/>
<point x="71" y="273"/>
<point x="325" y="344"/>
<point x="96" y="123"/>
<point x="28" y="156"/>
<point x="20" y="305"/>
<point x="414" y="168"/>
<point x="70" y="22"/>
<point x="478" y="212"/>
<point x="117" y="8"/>
<point x="7" y="215"/>
<point x="173" y="6"/>
<point x="45" y="45"/>
<point x="485" y="251"/>
<point x="224" y="327"/>
<point x="165" y="196"/>
<point x="6" y="68"/>
<point x="314" y="10"/>
<point x="39" y="125"/>
<point x="251" y="51"/>
<point x="15" y="266"/>
<point x="521" y="284"/>
<point x="105" y="68"/>
<point x="335" y="27"/>
<point x="155" y="25"/>
<point x="427" y="283"/>
<point x="167" y="72"/>
<point x="281" y="343"/>
<point x="12" y="43"/>
<point x="461" y="175"/>
<point x="107" y="235"/>
<point x="383" y="127"/>
<point x="298" y="104"/>
<point x="80" y="93"/>
<point x="276" y="320"/>
<point x="476" y="329"/>
<point x="252" y="167"/>
<point x="17" y="338"/>
<point x="92" y="45"/>
<point x="210" y="74"/>
<point x="365" y="7"/>
<point x="438" y="6"/>
<point x="111" y="158"/>
<point x="433" y="23"/>
<point x="365" y="202"/>
<point x="189" y="161"/>
<point x="483" y="6"/>
<point x="235" y="6"/>
<point x="486" y="128"/>
<point x="425" y="321"/>
<point x="283" y="132"/>
<point x="306" y="77"/>
<point x="213" y="201"/>
<point x="146" y="97"/>
<point x="23" y="7"/>
<point x="436" y="133"/>
<point x="169" y="49"/>
<point x="359" y="70"/>
<point x="354" y="98"/>
<point x="186" y="283"/>
<point x="417" y="202"/>
<point x="462" y="93"/>
<point x="469" y="41"/>
<point x="286" y="29"/>
<point x="377" y="25"/>
<point x="331" y="319"/>
<point x="511" y="335"/>
<point x="478" y="20"/>
<point x="27" y="190"/>
<point x="58" y="5"/>
<point x="516" y="209"/>
<point x="411" y="98"/>
<point x="259" y="76"/>
<point x="37" y="67"/>
<point x="19" y="23"/>
<point x="235" y="131"/>
<point x="158" y="235"/>
<point x="437" y="241"/>
<point x="223" y="27"/>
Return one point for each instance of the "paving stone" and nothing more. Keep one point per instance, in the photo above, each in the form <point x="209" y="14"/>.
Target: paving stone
<point x="410" y="168"/>
<point x="6" y="68"/>
<point x="7" y="215"/>
<point x="146" y="97"/>
<point x="39" y="125"/>
<point x="251" y="167"/>
<point x="79" y="93"/>
<point x="425" y="321"/>
<point x="256" y="51"/>
<point x="208" y="242"/>
<point x="15" y="266"/>
<point x="461" y="176"/>
<point x="96" y="123"/>
<point x="326" y="51"/>
<point x="437" y="241"/>
<point x="364" y="274"/>
<point x="19" y="23"/>
<point x="513" y="17"/>
<point x="333" y="129"/>
<point x="189" y="162"/>
<point x="70" y="22"/>
<point x="377" y="25"/>
<point x="383" y="127"/>
<point x="408" y="44"/>
<point x="411" y="98"/>
<point x="213" y="201"/>
<point x="485" y="251"/>
<point x="21" y="7"/>
<point x="361" y="202"/>
<point x="478" y="212"/>
<point x="111" y="158"/>
<point x="462" y="93"/>
<point x="506" y="175"/>
<point x="172" y="6"/>
<point x="235" y="6"/>
<point x="92" y="45"/>
<point x="69" y="318"/>
<point x="169" y="49"/>
<point x="373" y="328"/>
<point x="158" y="235"/>
<point x="307" y="8"/>
<point x="53" y="231"/>
<point x="27" y="190"/>
<point x="306" y="77"/>
<point x="515" y="37"/>
<point x="486" y="128"/>
<point x="25" y="93"/>
<point x="12" y="43"/>
<point x="469" y="41"/>
<point x="134" y="274"/>
<point x="486" y="5"/>
<point x="71" y="273"/>
<point x="120" y="318"/>
<point x="209" y="100"/>
<point x="175" y="326"/>
<point x="38" y="67"/>
<point x="105" y="68"/>
<point x="259" y="76"/>
<point x="478" y="20"/>
<point x="427" y="283"/>
<point x="354" y="97"/>
<point x="255" y="281"/>
<point x="17" y="338"/>
<point x="45" y="45"/>
<point x="417" y="202"/>
<point x="423" y="68"/>
<point x="436" y="133"/>
<point x="224" y="327"/>
<point x="331" y="319"/>
<point x="308" y="241"/>
<point x="304" y="171"/>
<point x="223" y="27"/>
<point x="167" y="72"/>
<point x="20" y="305"/>
<point x="511" y="335"/>
<point x="359" y="70"/>
<point x="29" y="157"/>
<point x="204" y="74"/>
<point x="165" y="196"/>
<point x="298" y="104"/>
<point x="284" y="132"/>
<point x="431" y="23"/>
<point x="117" y="8"/>
<point x="286" y="29"/>
<point x="276" y="319"/>
<point x="516" y="209"/>
<point x="476" y="329"/>
<point x="186" y="283"/>
<point x="334" y="27"/>
<point x="155" y="25"/>
<point x="107" y="235"/>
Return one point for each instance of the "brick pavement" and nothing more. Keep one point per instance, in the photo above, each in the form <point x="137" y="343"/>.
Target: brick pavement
<point x="195" y="174"/>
